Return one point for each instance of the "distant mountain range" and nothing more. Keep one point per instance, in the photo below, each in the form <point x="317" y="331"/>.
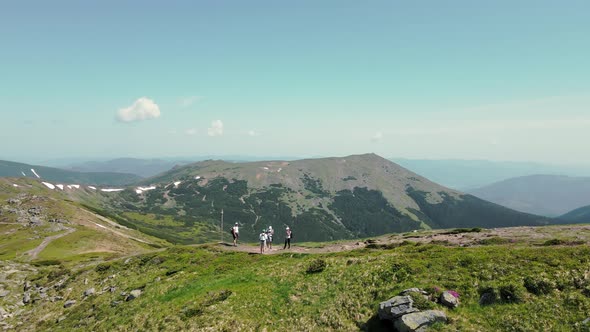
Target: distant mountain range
<point x="14" y="169"/>
<point x="321" y="199"/>
<point x="140" y="167"/>
<point x="467" y="175"/>
<point x="547" y="195"/>
<point x="579" y="215"/>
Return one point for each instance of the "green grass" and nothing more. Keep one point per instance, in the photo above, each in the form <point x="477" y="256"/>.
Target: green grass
<point x="196" y="288"/>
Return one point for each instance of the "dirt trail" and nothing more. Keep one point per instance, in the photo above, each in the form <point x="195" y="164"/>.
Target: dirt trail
<point x="524" y="235"/>
<point x="34" y="252"/>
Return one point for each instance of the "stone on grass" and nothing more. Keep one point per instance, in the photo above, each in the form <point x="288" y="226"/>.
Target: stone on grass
<point x="89" y="291"/>
<point x="449" y="300"/>
<point x="413" y="290"/>
<point x="396" y="307"/>
<point x="4" y="293"/>
<point x="69" y="303"/>
<point x="26" y="298"/>
<point x="133" y="295"/>
<point x="419" y="321"/>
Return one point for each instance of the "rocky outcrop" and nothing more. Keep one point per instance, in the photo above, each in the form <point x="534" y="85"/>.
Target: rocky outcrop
<point x="396" y="307"/>
<point x="419" y="321"/>
<point x="407" y="318"/>
<point x="133" y="295"/>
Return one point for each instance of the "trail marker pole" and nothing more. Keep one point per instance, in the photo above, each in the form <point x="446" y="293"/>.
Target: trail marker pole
<point x="222" y="226"/>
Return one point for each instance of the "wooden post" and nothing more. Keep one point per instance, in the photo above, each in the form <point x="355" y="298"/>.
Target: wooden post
<point x="222" y="231"/>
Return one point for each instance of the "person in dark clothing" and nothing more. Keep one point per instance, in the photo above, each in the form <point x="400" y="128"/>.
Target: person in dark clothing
<point x="288" y="236"/>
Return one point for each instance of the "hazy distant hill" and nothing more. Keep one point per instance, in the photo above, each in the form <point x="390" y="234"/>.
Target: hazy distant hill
<point x="548" y="195"/>
<point x="140" y="167"/>
<point x="472" y="174"/>
<point x="14" y="169"/>
<point x="579" y="215"/>
<point x="321" y="199"/>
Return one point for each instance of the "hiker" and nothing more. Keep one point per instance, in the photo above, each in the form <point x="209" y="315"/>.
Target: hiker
<point x="288" y="236"/>
<point x="269" y="233"/>
<point x="235" y="232"/>
<point x="262" y="238"/>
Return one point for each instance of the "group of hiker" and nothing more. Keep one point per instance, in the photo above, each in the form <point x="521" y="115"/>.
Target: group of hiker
<point x="265" y="237"/>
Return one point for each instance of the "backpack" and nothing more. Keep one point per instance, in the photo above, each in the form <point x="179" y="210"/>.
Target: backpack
<point x="262" y="237"/>
<point x="231" y="231"/>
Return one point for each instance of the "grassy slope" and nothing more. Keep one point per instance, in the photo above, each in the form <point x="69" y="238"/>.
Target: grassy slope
<point x="200" y="288"/>
<point x="88" y="238"/>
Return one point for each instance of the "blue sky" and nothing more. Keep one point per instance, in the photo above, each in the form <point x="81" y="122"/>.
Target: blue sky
<point x="497" y="80"/>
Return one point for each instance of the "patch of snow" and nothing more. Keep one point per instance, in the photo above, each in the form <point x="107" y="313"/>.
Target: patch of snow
<point x="69" y="187"/>
<point x="77" y="186"/>
<point x="91" y="187"/>
<point x="60" y="186"/>
<point x="15" y="185"/>
<point x="197" y="177"/>
<point x="279" y="170"/>
<point x="265" y="168"/>
<point x="99" y="225"/>
<point x="23" y="173"/>
<point x="37" y="175"/>
<point x="177" y="183"/>
<point x="48" y="185"/>
<point x="110" y="190"/>
<point x="138" y="191"/>
<point x="146" y="188"/>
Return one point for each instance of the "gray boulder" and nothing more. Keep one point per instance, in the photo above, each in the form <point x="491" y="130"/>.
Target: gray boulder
<point x="27" y="286"/>
<point x="419" y="321"/>
<point x="133" y="295"/>
<point x="4" y="293"/>
<point x="89" y="292"/>
<point x="69" y="303"/>
<point x="413" y="290"/>
<point x="395" y="307"/>
<point x="449" y="300"/>
<point x="26" y="298"/>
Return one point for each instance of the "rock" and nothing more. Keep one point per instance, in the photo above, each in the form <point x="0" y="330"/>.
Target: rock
<point x="35" y="221"/>
<point x="133" y="295"/>
<point x="3" y="313"/>
<point x="127" y="261"/>
<point x="27" y="286"/>
<point x="26" y="298"/>
<point x="85" y="281"/>
<point x="396" y="307"/>
<point x="34" y="211"/>
<point x="69" y="303"/>
<point x="4" y="293"/>
<point x="60" y="319"/>
<point x="413" y="290"/>
<point x="89" y="291"/>
<point x="58" y="221"/>
<point x="419" y="321"/>
<point x="115" y="303"/>
<point x="449" y="300"/>
<point x="584" y="322"/>
<point x="112" y="289"/>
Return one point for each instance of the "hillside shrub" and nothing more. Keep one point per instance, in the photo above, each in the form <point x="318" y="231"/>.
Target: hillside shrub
<point x="488" y="295"/>
<point x="316" y="266"/>
<point x="511" y="293"/>
<point x="493" y="241"/>
<point x="421" y="301"/>
<point x="539" y="285"/>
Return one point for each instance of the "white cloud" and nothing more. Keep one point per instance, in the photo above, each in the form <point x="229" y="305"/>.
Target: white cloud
<point x="142" y="109"/>
<point x="377" y="137"/>
<point x="216" y="128"/>
<point x="253" y="133"/>
<point x="188" y="101"/>
<point x="191" y="131"/>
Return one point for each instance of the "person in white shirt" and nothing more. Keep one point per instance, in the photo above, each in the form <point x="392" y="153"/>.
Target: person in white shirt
<point x="236" y="233"/>
<point x="262" y="238"/>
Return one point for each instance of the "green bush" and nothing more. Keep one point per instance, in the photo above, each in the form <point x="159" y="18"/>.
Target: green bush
<point x="316" y="266"/>
<point x="511" y="293"/>
<point x="421" y="302"/>
<point x="539" y="285"/>
<point x="488" y="295"/>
